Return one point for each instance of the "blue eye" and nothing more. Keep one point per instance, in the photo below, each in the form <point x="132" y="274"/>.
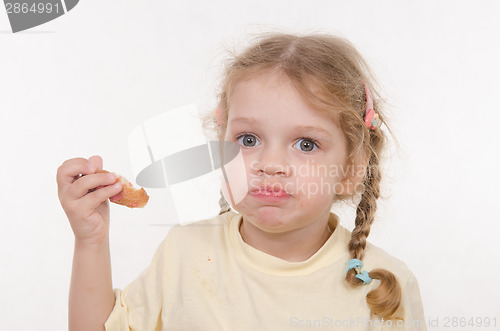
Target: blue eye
<point x="307" y="144"/>
<point x="248" y="138"/>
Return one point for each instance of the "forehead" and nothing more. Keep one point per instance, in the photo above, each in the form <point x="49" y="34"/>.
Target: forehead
<point x="270" y="99"/>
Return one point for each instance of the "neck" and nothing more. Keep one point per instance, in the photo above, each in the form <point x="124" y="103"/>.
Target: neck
<point x="294" y="246"/>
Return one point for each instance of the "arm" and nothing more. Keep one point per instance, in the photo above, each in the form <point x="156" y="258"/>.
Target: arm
<point x="413" y="301"/>
<point x="84" y="195"/>
<point x="91" y="296"/>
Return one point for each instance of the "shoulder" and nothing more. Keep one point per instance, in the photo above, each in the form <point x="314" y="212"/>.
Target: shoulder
<point x="200" y="233"/>
<point x="206" y="226"/>
<point x="378" y="258"/>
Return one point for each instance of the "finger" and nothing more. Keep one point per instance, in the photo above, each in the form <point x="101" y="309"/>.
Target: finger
<point x="70" y="171"/>
<point x="92" y="200"/>
<point x="89" y="183"/>
<point x="97" y="161"/>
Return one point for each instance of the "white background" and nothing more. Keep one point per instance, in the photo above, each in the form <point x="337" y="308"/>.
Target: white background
<point x="77" y="86"/>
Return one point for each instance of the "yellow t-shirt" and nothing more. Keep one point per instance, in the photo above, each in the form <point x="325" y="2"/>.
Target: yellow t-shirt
<point x="205" y="277"/>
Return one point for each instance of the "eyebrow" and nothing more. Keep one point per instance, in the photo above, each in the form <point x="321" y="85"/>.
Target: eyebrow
<point x="247" y="120"/>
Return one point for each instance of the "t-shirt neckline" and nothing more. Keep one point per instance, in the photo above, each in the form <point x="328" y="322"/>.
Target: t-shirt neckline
<point x="332" y="250"/>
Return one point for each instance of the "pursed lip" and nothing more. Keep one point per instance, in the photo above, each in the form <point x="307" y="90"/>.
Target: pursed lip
<point x="270" y="190"/>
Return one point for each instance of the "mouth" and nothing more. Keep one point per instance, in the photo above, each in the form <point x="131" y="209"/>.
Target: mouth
<point x="270" y="193"/>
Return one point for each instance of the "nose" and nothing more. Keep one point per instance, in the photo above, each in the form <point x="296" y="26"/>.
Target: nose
<point x="273" y="161"/>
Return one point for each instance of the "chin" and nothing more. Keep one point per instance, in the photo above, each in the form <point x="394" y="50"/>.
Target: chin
<point x="268" y="219"/>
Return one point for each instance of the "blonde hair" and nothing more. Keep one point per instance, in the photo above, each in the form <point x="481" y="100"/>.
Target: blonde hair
<point x="329" y="73"/>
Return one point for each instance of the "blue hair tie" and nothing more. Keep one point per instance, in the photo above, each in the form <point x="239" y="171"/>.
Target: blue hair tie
<point x="364" y="276"/>
<point x="353" y="263"/>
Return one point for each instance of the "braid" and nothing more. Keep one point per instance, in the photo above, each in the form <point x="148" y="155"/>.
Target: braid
<point x="386" y="299"/>
<point x="365" y="211"/>
<point x="224" y="206"/>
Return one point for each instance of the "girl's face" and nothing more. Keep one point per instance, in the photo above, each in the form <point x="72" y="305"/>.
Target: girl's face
<point x="288" y="147"/>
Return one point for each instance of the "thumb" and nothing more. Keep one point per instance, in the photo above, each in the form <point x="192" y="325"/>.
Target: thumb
<point x="97" y="161"/>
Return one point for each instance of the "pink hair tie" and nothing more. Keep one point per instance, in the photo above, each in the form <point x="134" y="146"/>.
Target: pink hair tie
<point x="372" y="120"/>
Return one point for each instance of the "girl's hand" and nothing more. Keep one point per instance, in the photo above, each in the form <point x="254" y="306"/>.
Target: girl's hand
<point x="87" y="212"/>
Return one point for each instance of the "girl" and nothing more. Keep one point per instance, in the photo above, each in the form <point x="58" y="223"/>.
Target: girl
<point x="301" y="110"/>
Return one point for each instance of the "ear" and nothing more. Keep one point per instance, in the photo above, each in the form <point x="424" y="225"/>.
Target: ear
<point x="353" y="177"/>
<point x="218" y="116"/>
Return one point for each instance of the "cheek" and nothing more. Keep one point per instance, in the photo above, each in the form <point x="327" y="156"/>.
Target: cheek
<point x="234" y="179"/>
<point x="319" y="182"/>
<point x="304" y="202"/>
<point x="315" y="198"/>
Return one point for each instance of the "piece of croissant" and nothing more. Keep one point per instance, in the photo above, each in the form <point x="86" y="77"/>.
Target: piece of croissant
<point x="129" y="196"/>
